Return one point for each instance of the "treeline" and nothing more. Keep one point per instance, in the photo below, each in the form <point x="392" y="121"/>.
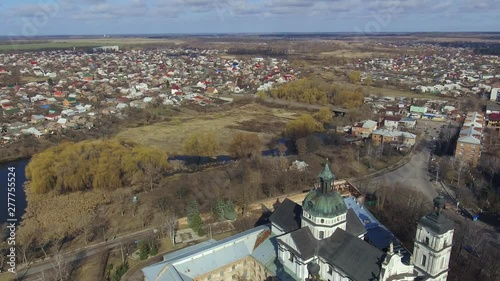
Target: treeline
<point x="317" y="91"/>
<point x="99" y="164"/>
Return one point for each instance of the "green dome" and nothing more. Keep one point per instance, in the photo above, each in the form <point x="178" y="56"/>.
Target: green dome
<point x="326" y="205"/>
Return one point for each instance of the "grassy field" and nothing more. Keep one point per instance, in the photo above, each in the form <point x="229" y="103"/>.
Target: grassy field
<point x="349" y="54"/>
<point x="398" y="93"/>
<point x="81" y="43"/>
<point x="268" y="123"/>
<point x="28" y="79"/>
<point x="389" y="92"/>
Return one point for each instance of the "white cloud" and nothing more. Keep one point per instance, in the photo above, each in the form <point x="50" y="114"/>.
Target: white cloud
<point x="158" y="9"/>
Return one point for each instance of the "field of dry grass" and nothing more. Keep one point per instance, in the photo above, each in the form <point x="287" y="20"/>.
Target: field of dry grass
<point x="349" y="54"/>
<point x="28" y="79"/>
<point x="268" y="123"/>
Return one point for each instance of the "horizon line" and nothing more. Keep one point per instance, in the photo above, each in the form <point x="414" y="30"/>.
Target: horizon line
<point x="105" y="35"/>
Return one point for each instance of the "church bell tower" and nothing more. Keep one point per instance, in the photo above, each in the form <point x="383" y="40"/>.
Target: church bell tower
<point x="433" y="242"/>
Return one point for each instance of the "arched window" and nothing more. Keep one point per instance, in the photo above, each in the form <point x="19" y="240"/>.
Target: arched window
<point x="322" y="221"/>
<point x="330" y="270"/>
<point x="424" y="260"/>
<point x="321" y="235"/>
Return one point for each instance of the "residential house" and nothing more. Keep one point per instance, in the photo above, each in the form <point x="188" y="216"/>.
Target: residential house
<point x="52" y="116"/>
<point x="364" y="129"/>
<point x="494" y="94"/>
<point x="16" y="126"/>
<point x="494" y="120"/>
<point x="68" y="112"/>
<point x="418" y="109"/>
<point x="391" y="122"/>
<point x="59" y="94"/>
<point x="35" y="119"/>
<point x="32" y="131"/>
<point x="62" y="121"/>
<point x="408" y="123"/>
<point x="212" y="90"/>
<point x="68" y="102"/>
<point x="121" y="106"/>
<point x="393" y="137"/>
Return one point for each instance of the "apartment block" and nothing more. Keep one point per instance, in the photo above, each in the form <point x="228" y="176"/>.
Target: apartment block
<point x="469" y="142"/>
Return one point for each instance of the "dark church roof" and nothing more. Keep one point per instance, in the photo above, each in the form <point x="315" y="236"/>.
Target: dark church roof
<point x="353" y="224"/>
<point x="358" y="259"/>
<point x="436" y="221"/>
<point x="306" y="242"/>
<point x="287" y="215"/>
<point x="355" y="257"/>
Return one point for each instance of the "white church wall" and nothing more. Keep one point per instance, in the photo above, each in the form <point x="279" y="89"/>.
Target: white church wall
<point x="327" y="226"/>
<point x="432" y="251"/>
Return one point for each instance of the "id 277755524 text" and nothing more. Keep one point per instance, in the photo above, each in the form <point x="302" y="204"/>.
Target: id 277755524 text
<point x="11" y="219"/>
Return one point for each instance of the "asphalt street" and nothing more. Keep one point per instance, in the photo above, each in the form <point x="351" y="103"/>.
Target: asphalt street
<point x="415" y="173"/>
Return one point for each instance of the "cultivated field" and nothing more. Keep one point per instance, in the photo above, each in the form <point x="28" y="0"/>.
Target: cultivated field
<point x="268" y="123"/>
<point x="82" y="43"/>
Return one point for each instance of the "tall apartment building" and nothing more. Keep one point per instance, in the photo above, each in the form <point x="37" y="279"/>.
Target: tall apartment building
<point x="469" y="142"/>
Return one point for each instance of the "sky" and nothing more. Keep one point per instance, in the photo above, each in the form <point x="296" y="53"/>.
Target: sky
<point x="97" y="17"/>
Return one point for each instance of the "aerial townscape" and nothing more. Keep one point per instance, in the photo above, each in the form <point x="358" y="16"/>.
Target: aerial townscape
<point x="249" y="141"/>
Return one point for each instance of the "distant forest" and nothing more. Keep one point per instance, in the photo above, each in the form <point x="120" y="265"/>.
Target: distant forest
<point x="481" y="48"/>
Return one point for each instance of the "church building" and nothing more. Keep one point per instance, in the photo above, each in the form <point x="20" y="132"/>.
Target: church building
<point x="330" y="242"/>
<point x="324" y="239"/>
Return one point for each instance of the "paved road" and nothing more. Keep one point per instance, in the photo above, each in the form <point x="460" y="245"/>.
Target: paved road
<point x="415" y="173"/>
<point x="32" y="272"/>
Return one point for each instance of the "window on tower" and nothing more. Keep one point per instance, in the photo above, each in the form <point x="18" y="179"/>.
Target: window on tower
<point x="426" y="240"/>
<point x="424" y="260"/>
<point x="321" y="234"/>
<point x="291" y="258"/>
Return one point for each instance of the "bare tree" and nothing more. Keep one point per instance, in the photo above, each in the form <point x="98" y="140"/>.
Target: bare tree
<point x="87" y="224"/>
<point x="283" y="162"/>
<point x="460" y="165"/>
<point x="162" y="204"/>
<point x="491" y="163"/>
<point x="171" y="226"/>
<point x="465" y="236"/>
<point x="301" y="146"/>
<point x="124" y="198"/>
<point x="60" y="267"/>
<point x="26" y="236"/>
<point x="145" y="214"/>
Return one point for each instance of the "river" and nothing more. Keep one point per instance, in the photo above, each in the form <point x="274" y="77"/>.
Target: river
<point x="19" y="194"/>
